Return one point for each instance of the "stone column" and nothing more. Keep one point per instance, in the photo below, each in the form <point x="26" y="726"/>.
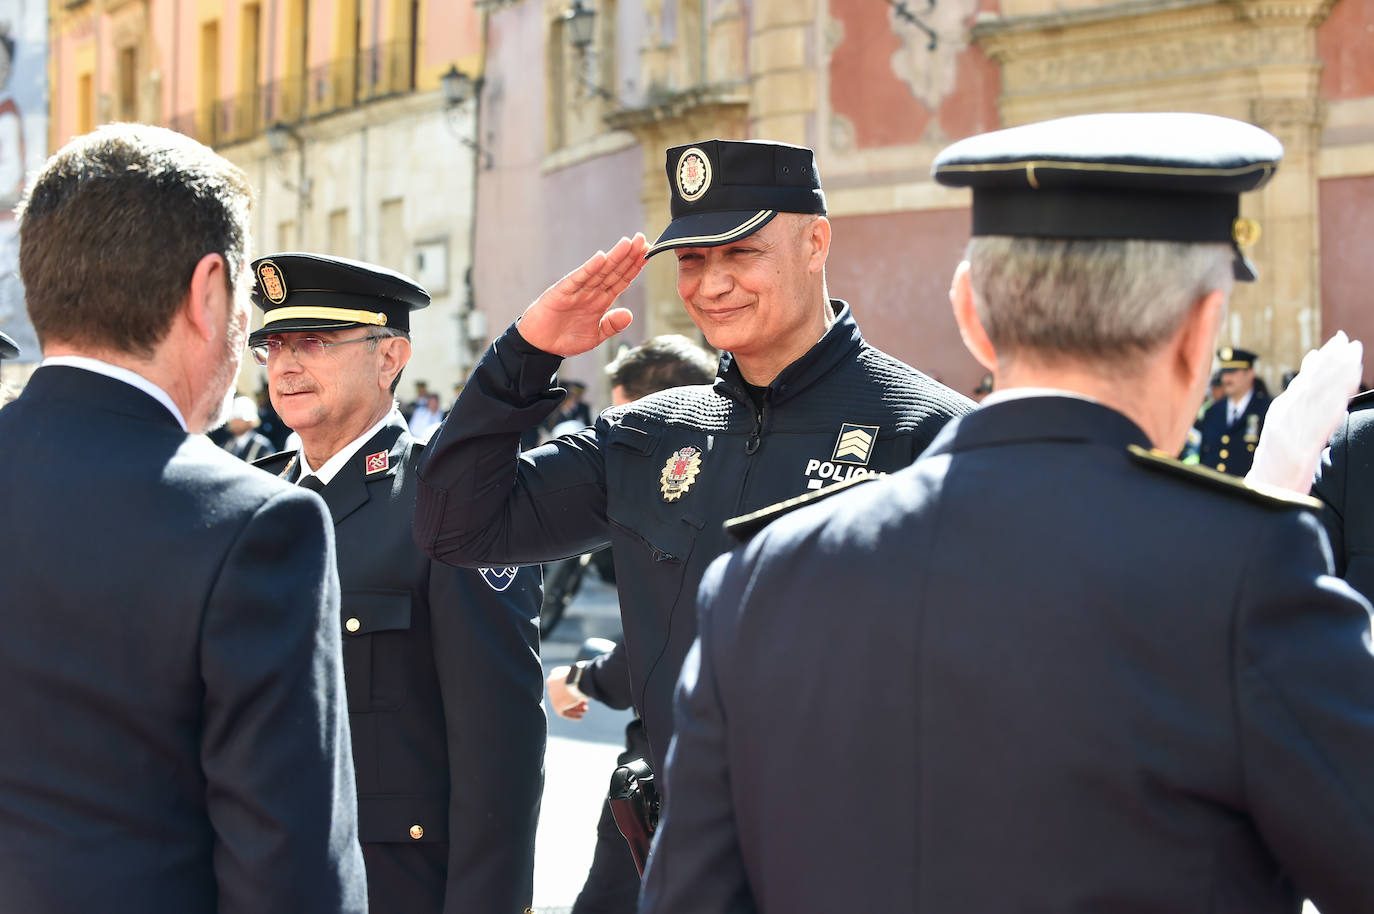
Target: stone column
<point x="785" y="73"/>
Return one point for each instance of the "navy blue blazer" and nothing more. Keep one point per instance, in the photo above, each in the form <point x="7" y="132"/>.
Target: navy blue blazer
<point x="173" y="735"/>
<point x="1001" y="681"/>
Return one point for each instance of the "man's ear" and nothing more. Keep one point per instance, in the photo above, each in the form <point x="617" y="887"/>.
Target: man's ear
<point x="394" y="353"/>
<point x="207" y="299"/>
<point x="966" y="316"/>
<point x="819" y="237"/>
<point x="1197" y="338"/>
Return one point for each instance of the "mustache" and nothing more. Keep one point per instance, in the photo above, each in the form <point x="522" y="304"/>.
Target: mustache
<point x="285" y="389"/>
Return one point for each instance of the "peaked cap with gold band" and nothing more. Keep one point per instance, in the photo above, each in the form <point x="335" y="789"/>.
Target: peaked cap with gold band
<point x="725" y="190"/>
<point x="8" y="348"/>
<point x="298" y="291"/>
<point x="1232" y="358"/>
<point x="1155" y="176"/>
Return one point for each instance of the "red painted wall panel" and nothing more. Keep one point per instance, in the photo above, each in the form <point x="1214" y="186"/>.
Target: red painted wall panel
<point x="894" y="270"/>
<point x="1345" y="43"/>
<point x="1347" y="269"/>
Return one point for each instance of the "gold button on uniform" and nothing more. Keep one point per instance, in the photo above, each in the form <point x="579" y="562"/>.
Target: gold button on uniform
<point x="353" y="625"/>
<point x="1221" y="468"/>
<point x="417" y="832"/>
<point x="1225" y="439"/>
<point x="1224" y="454"/>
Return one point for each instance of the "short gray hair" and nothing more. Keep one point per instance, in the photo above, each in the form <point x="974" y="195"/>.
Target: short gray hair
<point x="382" y="332"/>
<point x="1095" y="300"/>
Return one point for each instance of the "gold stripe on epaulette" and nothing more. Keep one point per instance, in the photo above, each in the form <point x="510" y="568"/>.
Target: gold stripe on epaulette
<point x="1265" y="494"/>
<point x="745" y="526"/>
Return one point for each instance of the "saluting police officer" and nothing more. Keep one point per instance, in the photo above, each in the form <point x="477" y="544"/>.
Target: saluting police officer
<point x="1010" y="685"/>
<point x="1231" y="426"/>
<point x="801" y="400"/>
<point x="441" y="664"/>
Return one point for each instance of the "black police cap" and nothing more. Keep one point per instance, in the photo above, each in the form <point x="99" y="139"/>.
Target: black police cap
<point x="9" y="349"/>
<point x="1232" y="358"/>
<point x="1156" y="176"/>
<point x="725" y="190"/>
<point x="298" y="291"/>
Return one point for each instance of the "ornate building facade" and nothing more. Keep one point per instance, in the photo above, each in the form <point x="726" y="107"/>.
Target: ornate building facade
<point x="877" y="87"/>
<point x="332" y="107"/>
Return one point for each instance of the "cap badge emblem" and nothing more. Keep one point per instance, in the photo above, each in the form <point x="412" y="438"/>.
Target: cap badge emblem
<point x="377" y="463"/>
<point x="680" y="472"/>
<point x="1226" y="353"/>
<point x="693" y="174"/>
<point x="1245" y="231"/>
<point x="272" y="282"/>
<point x="855" y="444"/>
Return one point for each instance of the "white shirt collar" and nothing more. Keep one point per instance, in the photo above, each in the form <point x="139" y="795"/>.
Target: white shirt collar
<point x="334" y="464"/>
<point x="1238" y="409"/>
<point x="1020" y="393"/>
<point x="132" y="378"/>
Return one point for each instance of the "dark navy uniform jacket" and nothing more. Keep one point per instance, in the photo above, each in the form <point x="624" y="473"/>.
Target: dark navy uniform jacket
<point x="172" y="735"/>
<point x="1345" y="484"/>
<point x="444" y="688"/>
<point x="1000" y="681"/>
<point x="1231" y="448"/>
<point x="659" y="476"/>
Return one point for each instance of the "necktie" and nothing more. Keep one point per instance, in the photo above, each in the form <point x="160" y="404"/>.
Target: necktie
<point x="311" y="482"/>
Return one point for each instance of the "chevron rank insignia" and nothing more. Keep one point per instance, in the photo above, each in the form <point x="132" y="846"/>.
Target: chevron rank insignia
<point x="855" y="444"/>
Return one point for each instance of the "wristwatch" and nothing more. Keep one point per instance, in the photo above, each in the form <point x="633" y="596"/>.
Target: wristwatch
<point x="574" y="680"/>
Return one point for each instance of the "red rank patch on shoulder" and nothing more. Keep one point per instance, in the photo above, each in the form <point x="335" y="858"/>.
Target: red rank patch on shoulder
<point x="378" y="462"/>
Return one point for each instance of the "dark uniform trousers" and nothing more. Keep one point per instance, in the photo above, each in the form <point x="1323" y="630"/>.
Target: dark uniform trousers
<point x="657" y="477"/>
<point x="1345" y="484"/>
<point x="1012" y="687"/>
<point x="444" y="689"/>
<point x="1230" y="447"/>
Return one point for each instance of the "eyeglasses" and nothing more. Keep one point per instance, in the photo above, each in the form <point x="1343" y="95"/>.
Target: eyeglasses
<point x="303" y="347"/>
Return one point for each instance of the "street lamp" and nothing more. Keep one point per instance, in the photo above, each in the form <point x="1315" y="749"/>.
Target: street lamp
<point x="279" y="135"/>
<point x="458" y="89"/>
<point x="457" y="86"/>
<point x="579" y="21"/>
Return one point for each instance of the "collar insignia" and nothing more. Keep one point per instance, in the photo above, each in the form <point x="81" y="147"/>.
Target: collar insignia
<point x="680" y="472"/>
<point x="377" y="463"/>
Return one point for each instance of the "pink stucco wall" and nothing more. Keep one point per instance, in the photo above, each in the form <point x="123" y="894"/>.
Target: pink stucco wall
<point x="895" y="270"/>
<point x="533" y="224"/>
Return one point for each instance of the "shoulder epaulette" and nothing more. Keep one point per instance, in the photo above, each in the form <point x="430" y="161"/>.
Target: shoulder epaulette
<point x="1269" y="496"/>
<point x="1361" y="401"/>
<point x="274" y="463"/>
<point x="744" y="527"/>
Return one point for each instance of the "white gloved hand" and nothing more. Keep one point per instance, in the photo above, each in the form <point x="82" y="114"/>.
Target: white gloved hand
<point x="1302" y="419"/>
